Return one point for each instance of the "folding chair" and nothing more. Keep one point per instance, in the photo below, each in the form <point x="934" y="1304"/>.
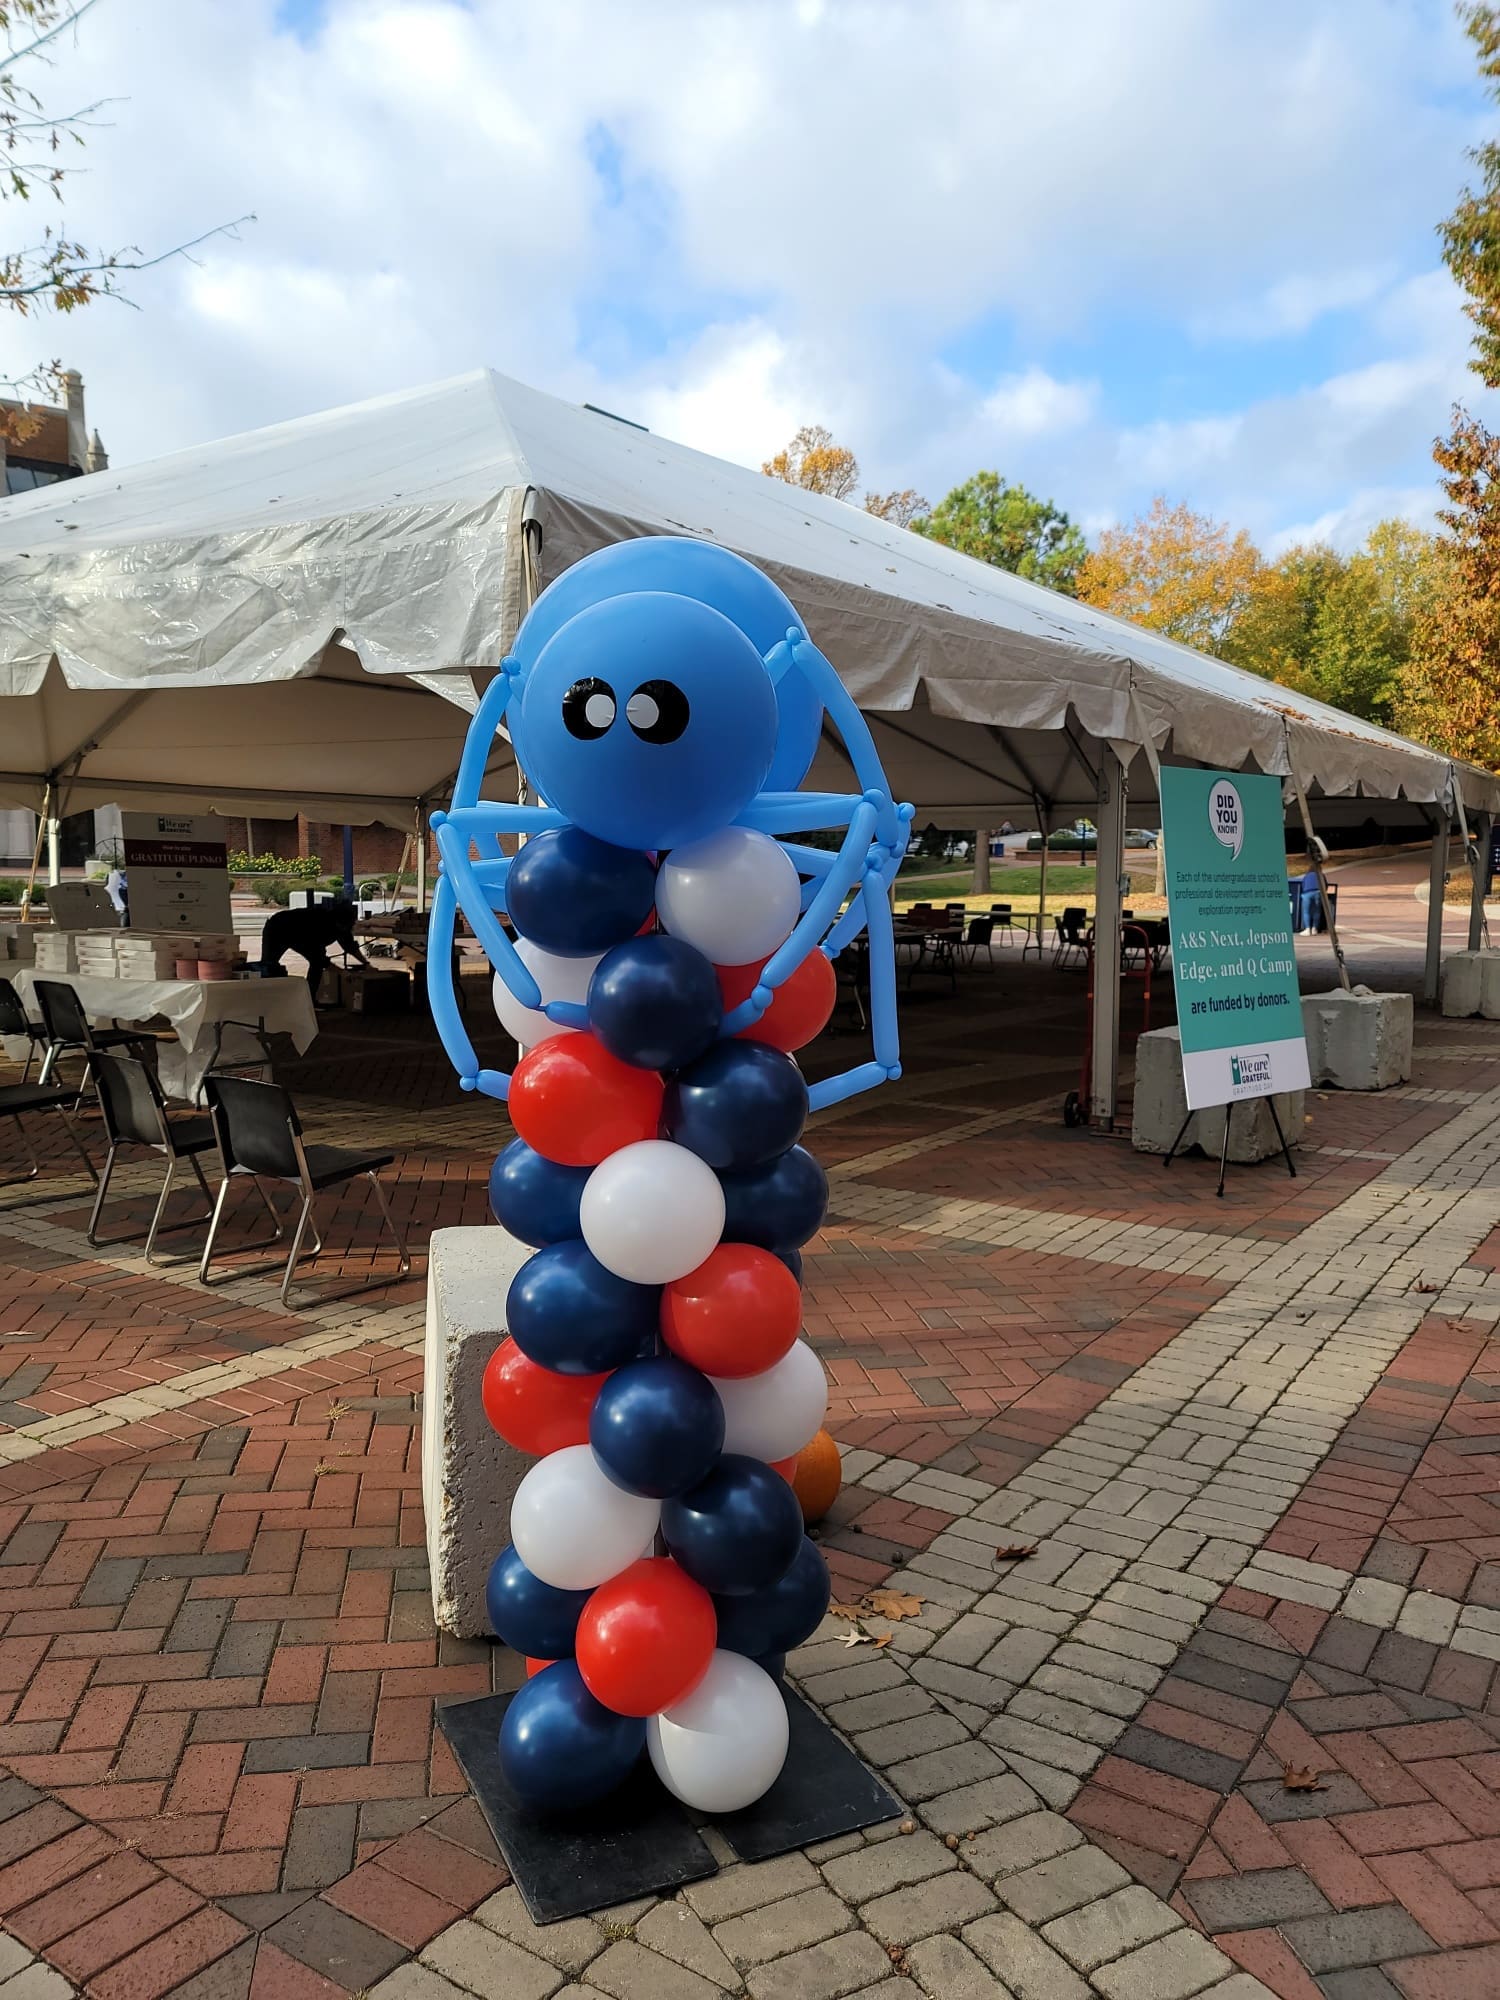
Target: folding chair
<point x="1072" y="937"/>
<point x="135" y="1114"/>
<point x="259" y="1135"/>
<point x="70" y="1032"/>
<point x="16" y="1099"/>
<point x="1004" y="922"/>
<point x="980" y="938"/>
<point x="14" y="1020"/>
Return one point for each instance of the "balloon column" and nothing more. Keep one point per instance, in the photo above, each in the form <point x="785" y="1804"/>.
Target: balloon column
<point x="671" y="954"/>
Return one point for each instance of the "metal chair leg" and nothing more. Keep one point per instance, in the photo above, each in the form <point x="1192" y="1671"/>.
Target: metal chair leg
<point x="213" y="1230"/>
<point x="109" y="1166"/>
<point x="296" y="1251"/>
<point x="14" y="1180"/>
<point x="49" y="1063"/>
<point x="390" y="1221"/>
<point x="161" y="1203"/>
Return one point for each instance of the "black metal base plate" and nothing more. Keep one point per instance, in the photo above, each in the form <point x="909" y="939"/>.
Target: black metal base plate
<point x="640" y="1841"/>
<point x="824" y="1790"/>
<point x="636" y="1842"/>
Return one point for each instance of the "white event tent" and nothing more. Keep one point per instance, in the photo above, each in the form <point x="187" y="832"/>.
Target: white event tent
<point x="300" y="618"/>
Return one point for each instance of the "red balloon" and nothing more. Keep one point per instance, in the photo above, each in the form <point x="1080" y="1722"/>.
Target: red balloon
<point x="533" y="1408"/>
<point x="798" y="1011"/>
<point x="787" y="1467"/>
<point x="646" y="1637"/>
<point x="575" y="1103"/>
<point x="534" y="1667"/>
<point x="737" y="1314"/>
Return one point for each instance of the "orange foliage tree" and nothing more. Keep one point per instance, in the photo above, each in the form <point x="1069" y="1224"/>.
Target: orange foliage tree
<point x="1178" y="572"/>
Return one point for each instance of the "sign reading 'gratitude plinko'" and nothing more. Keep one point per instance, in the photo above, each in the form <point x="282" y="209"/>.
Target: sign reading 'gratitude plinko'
<point x="1239" y="1010"/>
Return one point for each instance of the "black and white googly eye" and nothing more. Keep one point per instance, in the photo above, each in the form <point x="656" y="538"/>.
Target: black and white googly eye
<point x="658" y="712"/>
<point x="588" y="709"/>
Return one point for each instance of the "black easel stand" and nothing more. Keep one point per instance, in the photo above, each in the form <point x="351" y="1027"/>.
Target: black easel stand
<point x="1270" y="1103"/>
<point x="639" y="1841"/>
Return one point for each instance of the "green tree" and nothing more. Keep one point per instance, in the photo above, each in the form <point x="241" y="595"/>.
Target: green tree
<point x="1471" y="235"/>
<point x="1010" y="527"/>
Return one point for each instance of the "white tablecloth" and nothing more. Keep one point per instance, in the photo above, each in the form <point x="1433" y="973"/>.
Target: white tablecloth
<point x="204" y="1012"/>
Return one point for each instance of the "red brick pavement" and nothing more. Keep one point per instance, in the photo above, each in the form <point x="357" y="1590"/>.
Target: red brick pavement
<point x="218" y="1672"/>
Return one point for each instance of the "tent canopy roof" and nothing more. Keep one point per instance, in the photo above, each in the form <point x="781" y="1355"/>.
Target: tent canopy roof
<point x="396" y="526"/>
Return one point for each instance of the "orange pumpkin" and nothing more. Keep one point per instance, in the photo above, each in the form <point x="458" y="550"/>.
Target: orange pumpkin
<point x="818" y="1477"/>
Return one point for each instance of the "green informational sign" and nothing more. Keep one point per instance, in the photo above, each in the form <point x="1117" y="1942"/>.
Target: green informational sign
<point x="1233" y="962"/>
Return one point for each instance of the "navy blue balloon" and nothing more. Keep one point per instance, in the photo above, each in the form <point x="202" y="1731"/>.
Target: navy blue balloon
<point x="736" y="1532"/>
<point x="793" y="1261"/>
<point x="535" y="1198"/>
<point x="577" y="896"/>
<point x="783" y="1615"/>
<point x="778" y="1206"/>
<point x="655" y="1002"/>
<point x="566" y="1312"/>
<point x="657" y="1427"/>
<point x="559" y="1747"/>
<point x="738" y="1106"/>
<point x="532" y="1617"/>
<point x="773" y="1664"/>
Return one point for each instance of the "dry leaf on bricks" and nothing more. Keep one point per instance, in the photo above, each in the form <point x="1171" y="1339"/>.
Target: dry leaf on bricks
<point x="893" y="1604"/>
<point x="1014" y="1552"/>
<point x="1295" y="1779"/>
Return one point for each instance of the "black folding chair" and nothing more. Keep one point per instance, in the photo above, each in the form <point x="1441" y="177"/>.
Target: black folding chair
<point x="980" y="938"/>
<point x="16" y="1099"/>
<point x="259" y="1136"/>
<point x="135" y="1114"/>
<point x="14" y="1020"/>
<point x="1072" y="937"/>
<point x="70" y="1032"/>
<point x="1004" y="922"/>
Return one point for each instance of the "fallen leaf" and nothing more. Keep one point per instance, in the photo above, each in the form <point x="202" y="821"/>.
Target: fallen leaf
<point x="1295" y="1780"/>
<point x="1014" y="1552"/>
<point x="1424" y="1285"/>
<point x="892" y="1604"/>
<point x="856" y="1639"/>
<point x="845" y="1611"/>
<point x="883" y="1640"/>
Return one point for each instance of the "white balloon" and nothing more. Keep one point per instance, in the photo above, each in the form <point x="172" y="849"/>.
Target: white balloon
<point x="652" y="1212"/>
<point x="572" y="1526"/>
<point x="775" y="1413"/>
<point x="734" y="896"/>
<point x="724" y="1746"/>
<point x="559" y="979"/>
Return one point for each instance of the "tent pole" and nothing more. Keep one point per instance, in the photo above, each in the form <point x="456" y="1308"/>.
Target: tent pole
<point x="1042" y="819"/>
<point x="43" y="820"/>
<point x="420" y="836"/>
<point x="1317" y="854"/>
<point x="1109" y="861"/>
<point x="1481" y="867"/>
<point x="1437" y="879"/>
<point x="54" y="849"/>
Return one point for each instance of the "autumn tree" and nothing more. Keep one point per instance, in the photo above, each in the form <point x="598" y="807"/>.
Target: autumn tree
<point x="1178" y="572"/>
<point x="52" y="270"/>
<point x="814" y="462"/>
<point x="1011" y="528"/>
<point x="1452" y="690"/>
<point x="904" y="509"/>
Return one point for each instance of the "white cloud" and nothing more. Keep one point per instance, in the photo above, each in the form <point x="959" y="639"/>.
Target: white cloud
<point x="1034" y="404"/>
<point x="726" y="221"/>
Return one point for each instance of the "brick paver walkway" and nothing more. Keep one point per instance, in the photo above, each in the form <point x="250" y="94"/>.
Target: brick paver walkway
<point x="1249" y="1442"/>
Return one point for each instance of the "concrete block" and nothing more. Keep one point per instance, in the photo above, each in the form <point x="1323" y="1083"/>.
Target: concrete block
<point x="1160" y="1106"/>
<point x="1359" y="1040"/>
<point x="469" y="1474"/>
<point x="1461" y="980"/>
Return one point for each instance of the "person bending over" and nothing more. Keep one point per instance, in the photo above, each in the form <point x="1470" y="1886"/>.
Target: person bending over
<point x="309" y="933"/>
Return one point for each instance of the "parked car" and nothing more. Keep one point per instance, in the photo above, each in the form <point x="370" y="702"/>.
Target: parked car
<point x="1141" y="836"/>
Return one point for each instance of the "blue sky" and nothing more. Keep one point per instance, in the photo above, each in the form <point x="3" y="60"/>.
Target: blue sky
<point x="1185" y="245"/>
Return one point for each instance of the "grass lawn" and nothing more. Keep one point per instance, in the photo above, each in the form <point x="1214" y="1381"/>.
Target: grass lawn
<point x="1007" y="885"/>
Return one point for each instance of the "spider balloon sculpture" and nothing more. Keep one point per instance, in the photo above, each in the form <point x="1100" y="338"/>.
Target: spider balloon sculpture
<point x="672" y="952"/>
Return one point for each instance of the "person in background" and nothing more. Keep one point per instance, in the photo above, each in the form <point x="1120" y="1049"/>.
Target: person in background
<point x="309" y="933"/>
<point x="117" y="887"/>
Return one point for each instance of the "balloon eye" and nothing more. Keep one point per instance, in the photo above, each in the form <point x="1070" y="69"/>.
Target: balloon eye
<point x="658" y="712"/>
<point x="588" y="709"/>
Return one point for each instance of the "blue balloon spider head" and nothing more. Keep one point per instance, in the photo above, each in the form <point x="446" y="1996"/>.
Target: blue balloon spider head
<point x="648" y="718"/>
